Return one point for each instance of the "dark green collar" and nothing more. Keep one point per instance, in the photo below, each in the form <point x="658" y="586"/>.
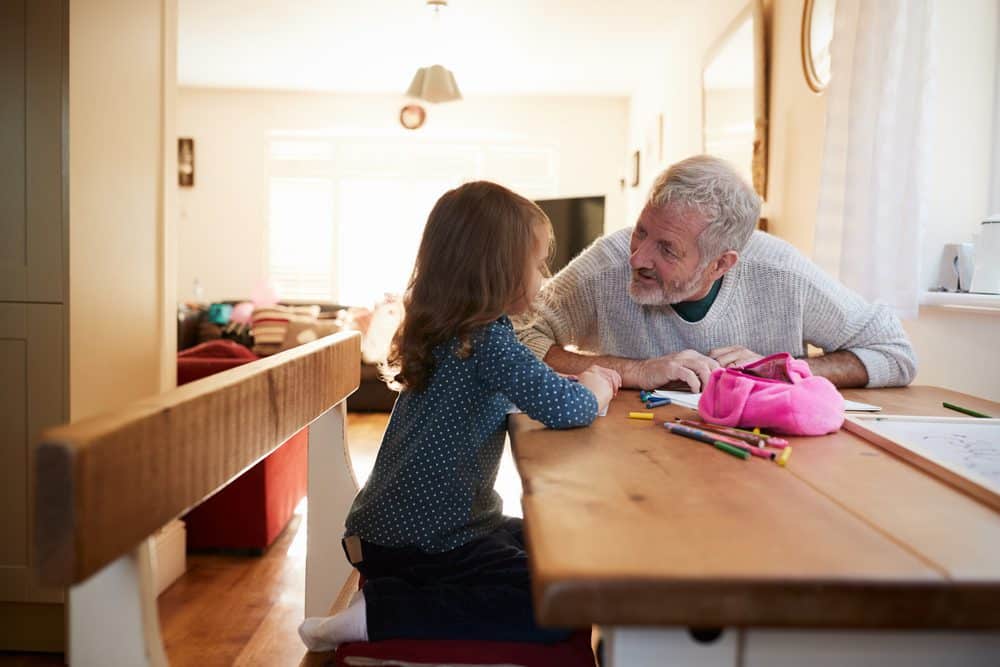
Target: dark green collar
<point x="692" y="311"/>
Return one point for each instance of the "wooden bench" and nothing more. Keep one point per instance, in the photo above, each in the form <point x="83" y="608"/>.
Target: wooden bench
<point x="105" y="485"/>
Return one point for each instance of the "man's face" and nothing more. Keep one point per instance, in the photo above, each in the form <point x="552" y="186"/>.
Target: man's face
<point x="667" y="266"/>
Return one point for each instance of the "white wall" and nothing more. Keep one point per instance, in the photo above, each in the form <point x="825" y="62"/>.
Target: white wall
<point x="121" y="68"/>
<point x="964" y="60"/>
<point x="672" y="87"/>
<point x="223" y="218"/>
<point x="797" y="121"/>
<point x="956" y="348"/>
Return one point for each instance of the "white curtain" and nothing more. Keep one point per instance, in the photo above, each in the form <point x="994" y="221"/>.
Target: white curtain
<point x="995" y="168"/>
<point x="875" y="175"/>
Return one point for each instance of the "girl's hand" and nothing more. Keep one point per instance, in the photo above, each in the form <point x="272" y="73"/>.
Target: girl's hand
<point x="613" y="377"/>
<point x="604" y="384"/>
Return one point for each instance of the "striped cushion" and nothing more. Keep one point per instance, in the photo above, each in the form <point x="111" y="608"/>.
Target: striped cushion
<point x="271" y="323"/>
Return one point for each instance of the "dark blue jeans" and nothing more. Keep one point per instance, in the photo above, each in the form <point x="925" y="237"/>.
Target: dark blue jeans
<point x="481" y="590"/>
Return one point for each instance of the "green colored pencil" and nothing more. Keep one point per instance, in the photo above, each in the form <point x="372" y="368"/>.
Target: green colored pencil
<point x="729" y="449"/>
<point x="959" y="408"/>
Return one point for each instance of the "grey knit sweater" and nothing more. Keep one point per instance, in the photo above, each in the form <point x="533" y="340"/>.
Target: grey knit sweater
<point x="772" y="300"/>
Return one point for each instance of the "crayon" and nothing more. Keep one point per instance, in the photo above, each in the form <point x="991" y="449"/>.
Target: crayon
<point x="967" y="411"/>
<point x="704" y="436"/>
<point x="771" y="440"/>
<point x="783" y="459"/>
<point x="729" y="449"/>
<point x="712" y="436"/>
<point x="641" y="415"/>
<point x="756" y="451"/>
<point x="725" y="430"/>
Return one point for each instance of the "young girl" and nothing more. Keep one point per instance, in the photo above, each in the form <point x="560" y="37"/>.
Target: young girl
<point x="439" y="559"/>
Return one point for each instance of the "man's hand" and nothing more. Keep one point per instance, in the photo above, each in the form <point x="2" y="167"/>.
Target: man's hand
<point x="689" y="367"/>
<point x="734" y="356"/>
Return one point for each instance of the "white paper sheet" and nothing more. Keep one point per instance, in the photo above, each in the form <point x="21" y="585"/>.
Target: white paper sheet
<point x="688" y="400"/>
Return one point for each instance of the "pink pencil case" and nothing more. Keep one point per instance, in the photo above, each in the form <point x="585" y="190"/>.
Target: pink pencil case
<point x="778" y="393"/>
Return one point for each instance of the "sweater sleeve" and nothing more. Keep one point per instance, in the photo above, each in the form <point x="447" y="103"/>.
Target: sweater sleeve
<point x="505" y="365"/>
<point x="566" y="311"/>
<point x="837" y="318"/>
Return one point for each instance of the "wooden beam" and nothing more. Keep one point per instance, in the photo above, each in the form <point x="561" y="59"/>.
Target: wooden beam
<point x="106" y="483"/>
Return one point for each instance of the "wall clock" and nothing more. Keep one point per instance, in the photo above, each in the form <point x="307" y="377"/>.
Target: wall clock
<point x="412" y="116"/>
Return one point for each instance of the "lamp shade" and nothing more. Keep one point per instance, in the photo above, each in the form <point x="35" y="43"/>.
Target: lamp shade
<point x="434" y="84"/>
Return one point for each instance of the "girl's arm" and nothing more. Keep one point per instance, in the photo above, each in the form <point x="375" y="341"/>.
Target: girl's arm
<point x="505" y="365"/>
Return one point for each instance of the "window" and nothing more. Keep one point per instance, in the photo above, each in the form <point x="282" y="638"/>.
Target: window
<point x="381" y="222"/>
<point x="347" y="212"/>
<point x="300" y="239"/>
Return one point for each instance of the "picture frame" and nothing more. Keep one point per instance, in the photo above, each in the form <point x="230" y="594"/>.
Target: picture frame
<point x="185" y="162"/>
<point x="659" y="141"/>
<point x="634" y="176"/>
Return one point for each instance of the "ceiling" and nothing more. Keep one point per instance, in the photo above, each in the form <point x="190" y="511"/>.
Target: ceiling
<point x="552" y="47"/>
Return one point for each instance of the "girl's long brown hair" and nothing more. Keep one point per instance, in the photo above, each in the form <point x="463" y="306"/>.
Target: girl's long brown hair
<point x="471" y="267"/>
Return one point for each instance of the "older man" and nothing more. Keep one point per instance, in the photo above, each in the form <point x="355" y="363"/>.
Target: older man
<point x="693" y="287"/>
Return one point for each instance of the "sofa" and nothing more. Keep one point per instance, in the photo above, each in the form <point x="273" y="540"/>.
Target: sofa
<point x="194" y="327"/>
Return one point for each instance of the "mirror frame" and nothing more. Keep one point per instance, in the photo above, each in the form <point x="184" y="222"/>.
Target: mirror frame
<point x="758" y="166"/>
<point x="808" y="66"/>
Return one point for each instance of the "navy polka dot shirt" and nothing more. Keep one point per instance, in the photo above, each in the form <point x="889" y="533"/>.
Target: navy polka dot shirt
<point x="432" y="485"/>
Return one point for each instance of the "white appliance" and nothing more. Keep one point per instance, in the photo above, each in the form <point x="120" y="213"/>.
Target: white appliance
<point x="986" y="277"/>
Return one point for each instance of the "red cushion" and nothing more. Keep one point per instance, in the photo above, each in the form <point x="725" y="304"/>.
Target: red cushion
<point x="190" y="369"/>
<point x="227" y="349"/>
<point x="211" y="357"/>
<point x="254" y="508"/>
<point x="574" y="652"/>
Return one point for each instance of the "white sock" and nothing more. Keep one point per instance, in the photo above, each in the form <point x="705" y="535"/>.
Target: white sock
<point x="325" y="633"/>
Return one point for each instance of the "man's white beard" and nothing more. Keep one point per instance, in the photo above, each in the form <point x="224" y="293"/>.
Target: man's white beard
<point x="661" y="295"/>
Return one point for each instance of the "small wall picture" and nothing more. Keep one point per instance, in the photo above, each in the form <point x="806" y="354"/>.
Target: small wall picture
<point x="634" y="180"/>
<point x="659" y="124"/>
<point x="185" y="162"/>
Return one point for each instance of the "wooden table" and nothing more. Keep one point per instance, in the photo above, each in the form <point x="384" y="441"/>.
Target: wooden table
<point x="629" y="526"/>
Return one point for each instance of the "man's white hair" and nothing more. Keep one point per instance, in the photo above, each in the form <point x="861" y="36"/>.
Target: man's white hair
<point x="711" y="187"/>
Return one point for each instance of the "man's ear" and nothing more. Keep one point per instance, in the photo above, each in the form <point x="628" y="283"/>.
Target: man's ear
<point x="723" y="263"/>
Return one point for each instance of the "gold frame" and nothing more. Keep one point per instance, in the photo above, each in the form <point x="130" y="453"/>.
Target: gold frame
<point x="808" y="66"/>
<point x="758" y="165"/>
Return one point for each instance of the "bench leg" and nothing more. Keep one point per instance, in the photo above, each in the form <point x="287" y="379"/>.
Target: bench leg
<point x="113" y="619"/>
<point x="332" y="487"/>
